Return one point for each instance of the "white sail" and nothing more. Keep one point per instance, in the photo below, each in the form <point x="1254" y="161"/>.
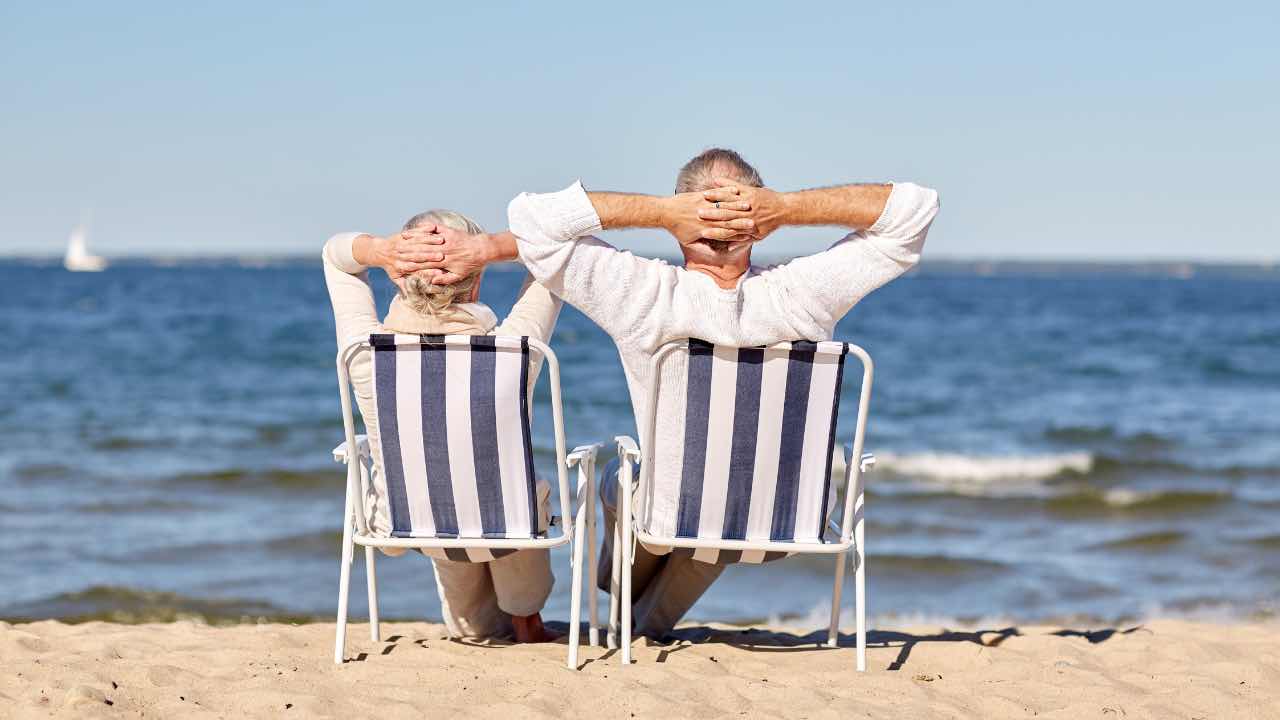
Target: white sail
<point x="78" y="258"/>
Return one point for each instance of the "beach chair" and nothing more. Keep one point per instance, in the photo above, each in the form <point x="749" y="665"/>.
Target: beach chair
<point x="453" y="414"/>
<point x="750" y="479"/>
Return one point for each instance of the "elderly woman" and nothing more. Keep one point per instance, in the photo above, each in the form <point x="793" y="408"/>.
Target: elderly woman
<point x="503" y="597"/>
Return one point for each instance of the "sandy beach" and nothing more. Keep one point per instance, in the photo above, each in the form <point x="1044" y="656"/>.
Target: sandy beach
<point x="1161" y="669"/>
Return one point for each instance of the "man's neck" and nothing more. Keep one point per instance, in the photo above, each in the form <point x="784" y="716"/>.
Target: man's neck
<point x="725" y="276"/>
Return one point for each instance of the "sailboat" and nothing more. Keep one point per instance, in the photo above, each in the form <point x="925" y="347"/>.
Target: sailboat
<point x="78" y="258"/>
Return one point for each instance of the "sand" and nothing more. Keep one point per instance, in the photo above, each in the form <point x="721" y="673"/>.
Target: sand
<point x="1160" y="669"/>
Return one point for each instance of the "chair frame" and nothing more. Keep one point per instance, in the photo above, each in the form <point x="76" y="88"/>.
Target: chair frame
<point x="355" y="530"/>
<point x="851" y="531"/>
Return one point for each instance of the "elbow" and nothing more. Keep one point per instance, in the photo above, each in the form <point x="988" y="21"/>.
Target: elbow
<point x="326" y="250"/>
<point x="520" y="221"/>
<point x="931" y="204"/>
<point x="927" y="211"/>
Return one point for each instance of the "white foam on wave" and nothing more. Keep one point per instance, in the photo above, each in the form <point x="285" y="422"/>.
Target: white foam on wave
<point x="1125" y="497"/>
<point x="979" y="469"/>
<point x="818" y="616"/>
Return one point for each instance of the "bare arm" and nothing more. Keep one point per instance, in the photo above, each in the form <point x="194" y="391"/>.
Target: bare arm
<point x="458" y="254"/>
<point x="626" y="210"/>
<point x="677" y="214"/>
<point x="822" y="287"/>
<point x="856" y="207"/>
<point x="853" y="206"/>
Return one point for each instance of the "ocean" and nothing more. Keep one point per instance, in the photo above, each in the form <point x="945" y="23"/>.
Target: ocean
<point x="1052" y="447"/>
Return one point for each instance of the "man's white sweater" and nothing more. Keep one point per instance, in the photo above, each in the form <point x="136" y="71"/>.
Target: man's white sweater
<point x="643" y="303"/>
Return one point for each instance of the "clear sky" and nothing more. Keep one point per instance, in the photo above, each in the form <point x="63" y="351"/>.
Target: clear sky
<point x="1052" y="130"/>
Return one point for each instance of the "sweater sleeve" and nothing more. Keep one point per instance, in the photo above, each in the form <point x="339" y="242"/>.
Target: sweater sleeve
<point x="620" y="292"/>
<point x="821" y="288"/>
<point x="355" y="312"/>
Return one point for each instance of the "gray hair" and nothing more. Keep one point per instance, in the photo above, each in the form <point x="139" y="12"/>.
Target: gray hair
<point x="418" y="293"/>
<point x="699" y="173"/>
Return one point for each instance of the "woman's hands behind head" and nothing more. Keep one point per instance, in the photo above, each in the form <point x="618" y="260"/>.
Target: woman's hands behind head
<point x="403" y="253"/>
<point x="458" y="254"/>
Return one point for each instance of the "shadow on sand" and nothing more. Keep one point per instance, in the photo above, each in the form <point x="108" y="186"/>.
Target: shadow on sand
<point x="754" y="640"/>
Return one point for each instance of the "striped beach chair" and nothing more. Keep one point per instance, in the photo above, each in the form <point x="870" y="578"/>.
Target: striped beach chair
<point x="454" y="415"/>
<point x="749" y="478"/>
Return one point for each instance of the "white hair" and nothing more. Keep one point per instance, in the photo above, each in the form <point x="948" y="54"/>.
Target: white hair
<point x="418" y="293"/>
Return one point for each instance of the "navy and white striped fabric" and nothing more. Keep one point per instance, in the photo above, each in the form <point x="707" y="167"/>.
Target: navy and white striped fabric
<point x="454" y="424"/>
<point x="759" y="430"/>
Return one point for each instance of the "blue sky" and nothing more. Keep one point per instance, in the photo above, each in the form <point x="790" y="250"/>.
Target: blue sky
<point x="1064" y="130"/>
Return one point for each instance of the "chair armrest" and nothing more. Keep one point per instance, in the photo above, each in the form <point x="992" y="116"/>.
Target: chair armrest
<point x="585" y="457"/>
<point x="627" y="448"/>
<point x="362" y="449"/>
<point x="867" y="462"/>
<point x="583" y="452"/>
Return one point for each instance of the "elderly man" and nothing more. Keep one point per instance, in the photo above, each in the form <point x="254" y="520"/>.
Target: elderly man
<point x="720" y="209"/>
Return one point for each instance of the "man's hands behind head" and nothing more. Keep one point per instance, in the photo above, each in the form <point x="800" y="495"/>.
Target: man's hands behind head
<point x="682" y="217"/>
<point x="731" y="216"/>
<point x="731" y="209"/>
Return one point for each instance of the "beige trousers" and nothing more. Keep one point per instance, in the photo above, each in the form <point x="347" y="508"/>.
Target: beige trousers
<point x="479" y="599"/>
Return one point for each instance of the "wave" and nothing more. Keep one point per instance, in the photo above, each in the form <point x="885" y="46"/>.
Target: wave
<point x="44" y="471"/>
<point x="119" y="604"/>
<point x="1232" y="368"/>
<point x="1201" y="609"/>
<point x="1262" y="541"/>
<point x="1106" y="434"/>
<point x="274" y="478"/>
<point x="933" y="564"/>
<point x="957" y="471"/>
<point x="1127" y="499"/>
<point x="925" y="565"/>
<point x="1107" y="464"/>
<point x="320" y="542"/>
<point x="120" y="443"/>
<point x="1157" y="540"/>
<point x="984" y="469"/>
<point x="115" y="507"/>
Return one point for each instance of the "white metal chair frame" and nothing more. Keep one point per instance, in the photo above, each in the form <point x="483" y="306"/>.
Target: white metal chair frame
<point x="850" y="531"/>
<point x="355" y="530"/>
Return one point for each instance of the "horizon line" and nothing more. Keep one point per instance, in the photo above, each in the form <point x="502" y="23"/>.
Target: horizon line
<point x="313" y="258"/>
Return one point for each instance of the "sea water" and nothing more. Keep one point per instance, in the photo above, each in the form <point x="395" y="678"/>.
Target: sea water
<point x="1050" y="447"/>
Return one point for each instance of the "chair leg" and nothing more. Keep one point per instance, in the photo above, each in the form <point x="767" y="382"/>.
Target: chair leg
<point x="860" y="597"/>
<point x="833" y="633"/>
<point x="615" y="585"/>
<point x="371" y="576"/>
<point x="593" y="601"/>
<point x="575" y="593"/>
<point x="625" y="520"/>
<point x="344" y="587"/>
